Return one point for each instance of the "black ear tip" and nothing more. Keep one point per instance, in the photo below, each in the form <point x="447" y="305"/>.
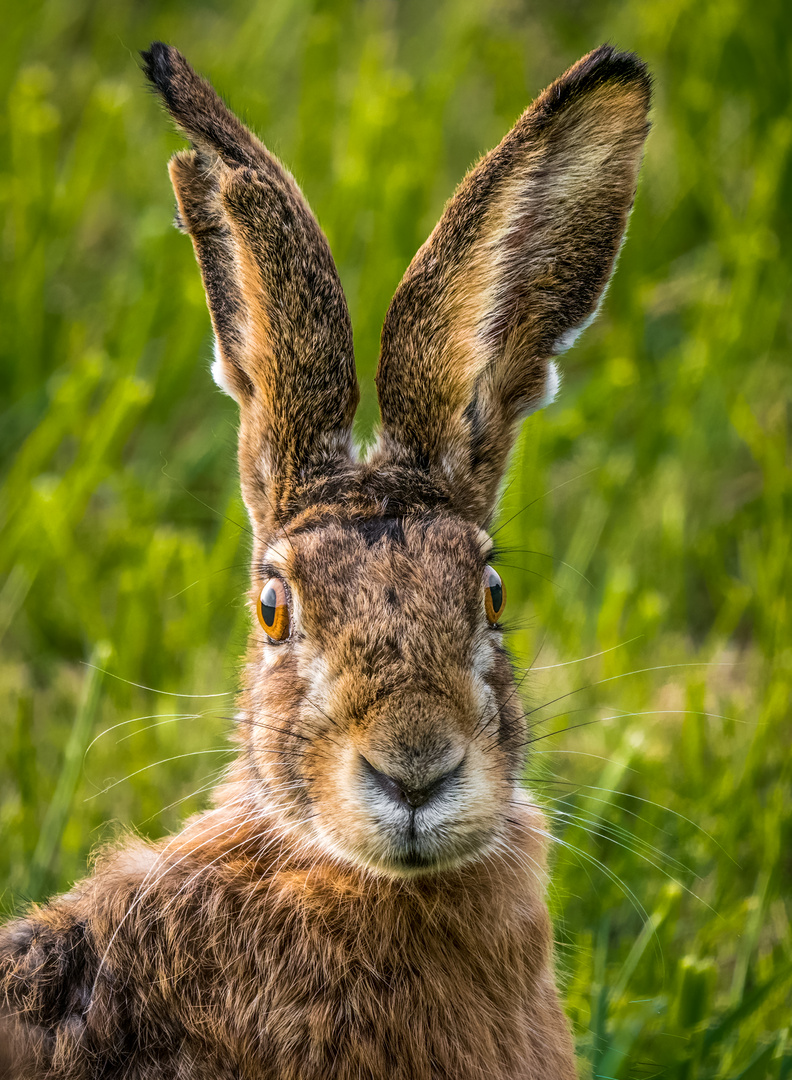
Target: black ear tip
<point x="608" y="64"/>
<point x="605" y="65"/>
<point x="158" y="64"/>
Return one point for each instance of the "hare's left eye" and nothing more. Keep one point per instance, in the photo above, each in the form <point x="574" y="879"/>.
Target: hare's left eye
<point x="494" y="594"/>
<point x="273" y="610"/>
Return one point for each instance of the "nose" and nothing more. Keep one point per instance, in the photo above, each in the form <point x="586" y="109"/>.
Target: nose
<point x="408" y="793"/>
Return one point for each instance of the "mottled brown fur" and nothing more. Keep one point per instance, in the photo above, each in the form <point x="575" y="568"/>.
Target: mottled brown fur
<point x="365" y="897"/>
<point x="520" y="257"/>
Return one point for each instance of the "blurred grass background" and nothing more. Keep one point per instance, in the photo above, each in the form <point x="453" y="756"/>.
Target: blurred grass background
<point x="656" y="539"/>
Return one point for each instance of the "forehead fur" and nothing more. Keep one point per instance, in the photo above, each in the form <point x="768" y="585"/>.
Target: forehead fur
<point x="385" y="604"/>
<point x="373" y="553"/>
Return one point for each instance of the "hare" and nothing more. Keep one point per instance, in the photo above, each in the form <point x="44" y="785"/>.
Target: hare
<point x="365" y="898"/>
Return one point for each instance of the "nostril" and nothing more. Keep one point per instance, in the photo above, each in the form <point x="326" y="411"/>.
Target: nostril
<point x="409" y="794"/>
<point x="415" y="797"/>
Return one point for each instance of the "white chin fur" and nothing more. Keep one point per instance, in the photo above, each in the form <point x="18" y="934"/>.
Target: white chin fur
<point x="219" y="373"/>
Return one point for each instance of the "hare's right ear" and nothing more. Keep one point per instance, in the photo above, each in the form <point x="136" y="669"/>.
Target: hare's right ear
<point x="512" y="272"/>
<point x="283" y="335"/>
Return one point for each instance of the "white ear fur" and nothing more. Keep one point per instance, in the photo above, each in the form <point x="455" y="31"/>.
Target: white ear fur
<point x="219" y="374"/>
<point x="552" y="386"/>
<point x="569" y="337"/>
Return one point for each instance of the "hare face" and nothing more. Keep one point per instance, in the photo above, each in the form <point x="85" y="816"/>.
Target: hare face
<point x="400" y="748"/>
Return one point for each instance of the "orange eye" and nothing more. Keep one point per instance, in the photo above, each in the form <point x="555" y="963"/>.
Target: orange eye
<point x="273" y="609"/>
<point x="494" y="595"/>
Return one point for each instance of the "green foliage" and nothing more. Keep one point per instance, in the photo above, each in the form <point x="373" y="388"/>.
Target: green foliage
<point x="647" y="517"/>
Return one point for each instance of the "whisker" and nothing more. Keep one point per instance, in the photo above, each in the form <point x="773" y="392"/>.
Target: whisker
<point x="617" y="716"/>
<point x="160" y="723"/>
<point x="584" y="753"/>
<point x="206" y="505"/>
<point x="153" y="690"/>
<point x="627" y="674"/>
<point x="658" y="806"/>
<point x="654" y="865"/>
<point x="528" y="570"/>
<point x="321" y="710"/>
<point x="162" y="761"/>
<point x="571" y="480"/>
<point x="582" y="659"/>
<point x="628" y="893"/>
<point x="215" y="776"/>
<point x="205" y="577"/>
<point x="602" y="828"/>
<point x="544" y="555"/>
<point x="137" y="719"/>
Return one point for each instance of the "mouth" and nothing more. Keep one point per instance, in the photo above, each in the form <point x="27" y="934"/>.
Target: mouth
<point x="429" y="839"/>
<point x="413" y="855"/>
<point x="412" y="859"/>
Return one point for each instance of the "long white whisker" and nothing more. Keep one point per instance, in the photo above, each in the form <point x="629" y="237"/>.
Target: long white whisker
<point x="601" y="828"/>
<point x="154" y="690"/>
<point x="137" y="719"/>
<point x="627" y="674"/>
<point x="162" y="761"/>
<point x="582" y="659"/>
<point x="659" y="806"/>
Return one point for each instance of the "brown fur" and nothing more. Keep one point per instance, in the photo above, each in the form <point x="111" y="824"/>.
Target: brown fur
<point x="365" y="899"/>
<point x="520" y="257"/>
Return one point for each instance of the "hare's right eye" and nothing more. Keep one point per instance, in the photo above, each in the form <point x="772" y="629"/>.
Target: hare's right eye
<point x="494" y="595"/>
<point x="273" y="610"/>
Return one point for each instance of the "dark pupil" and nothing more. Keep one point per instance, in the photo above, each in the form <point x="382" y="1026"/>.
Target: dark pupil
<point x="268" y="604"/>
<point x="496" y="593"/>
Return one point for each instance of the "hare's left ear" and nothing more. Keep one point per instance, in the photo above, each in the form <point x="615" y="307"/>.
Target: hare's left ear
<point x="282" y="329"/>
<point x="511" y="274"/>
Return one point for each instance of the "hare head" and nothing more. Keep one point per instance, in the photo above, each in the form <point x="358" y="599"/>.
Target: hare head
<point x="380" y="721"/>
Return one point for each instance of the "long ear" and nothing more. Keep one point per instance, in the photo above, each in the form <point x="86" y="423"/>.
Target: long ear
<point x="513" y="271"/>
<point x="283" y="335"/>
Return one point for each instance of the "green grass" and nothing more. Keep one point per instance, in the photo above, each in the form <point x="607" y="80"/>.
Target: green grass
<point x="655" y="538"/>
